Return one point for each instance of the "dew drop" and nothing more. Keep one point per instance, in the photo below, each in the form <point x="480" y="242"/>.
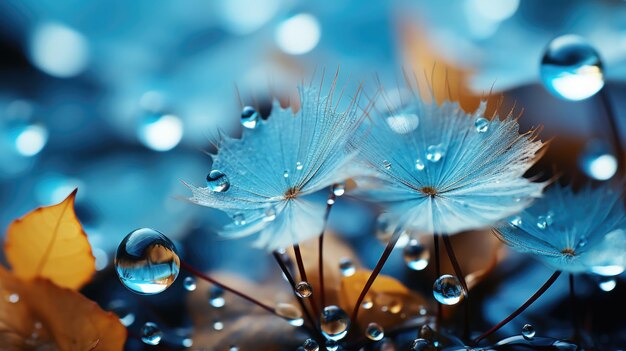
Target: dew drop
<point x="607" y="283"/>
<point x="330" y="201"/>
<point x="310" y="345"/>
<point x="386" y="164"/>
<point x="123" y="312"/>
<point x="299" y="166"/>
<point x="419" y="165"/>
<point x="146" y="262"/>
<point x="269" y="214"/>
<point x="528" y="331"/>
<point x="239" y="219"/>
<point x="291" y="313"/>
<point x="151" y="334"/>
<point x="217" y="181"/>
<point x="346" y="266"/>
<point x="332" y="345"/>
<point x="13" y="298"/>
<point x="304" y="289"/>
<point x="217" y="325"/>
<point x="542" y="223"/>
<point x="189" y="283"/>
<point x="339" y="189"/>
<point x="420" y="345"/>
<point x="374" y="332"/>
<point x="334" y="323"/>
<point x="516" y="221"/>
<point x="415" y="255"/>
<point x="216" y="297"/>
<point x="582" y="242"/>
<point x="286" y="174"/>
<point x="249" y="117"/>
<point x="368" y="303"/>
<point x="434" y="153"/>
<point x="481" y="124"/>
<point x="571" y="69"/>
<point x="447" y="290"/>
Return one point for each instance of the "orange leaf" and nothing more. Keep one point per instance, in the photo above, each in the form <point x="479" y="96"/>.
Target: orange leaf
<point x="38" y="315"/>
<point x="49" y="242"/>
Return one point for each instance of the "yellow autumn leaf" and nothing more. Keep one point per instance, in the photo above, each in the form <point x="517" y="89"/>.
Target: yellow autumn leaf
<point x="50" y="242"/>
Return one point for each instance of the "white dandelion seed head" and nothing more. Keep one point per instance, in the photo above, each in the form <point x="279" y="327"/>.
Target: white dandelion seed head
<point x="274" y="169"/>
<point x="573" y="232"/>
<point x="453" y="172"/>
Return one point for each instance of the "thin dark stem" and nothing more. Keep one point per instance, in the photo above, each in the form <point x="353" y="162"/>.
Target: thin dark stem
<point x="572" y="297"/>
<point x="615" y="130"/>
<point x="461" y="276"/>
<point x="438" y="274"/>
<point x="292" y="282"/>
<point x="320" y="261"/>
<point x="523" y="307"/>
<point x="379" y="266"/>
<point x="300" y="263"/>
<point x="203" y="276"/>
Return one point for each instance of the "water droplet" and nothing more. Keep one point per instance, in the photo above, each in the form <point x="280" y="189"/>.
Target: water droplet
<point x="146" y="262"/>
<point x="270" y="214"/>
<point x="420" y="345"/>
<point x="542" y="223"/>
<point x="123" y="312"/>
<point x="217" y="181"/>
<point x="368" y="303"/>
<point x="310" y="345"/>
<point x="249" y="117"/>
<point x="13" y="298"/>
<point x="27" y="137"/>
<point x="330" y="201"/>
<point x="233" y="348"/>
<point x="332" y="345"/>
<point x="339" y="189"/>
<point x="415" y="255"/>
<point x="374" y="332"/>
<point x="419" y="165"/>
<point x="528" y="331"/>
<point x="434" y="153"/>
<point x="286" y="174"/>
<point x="334" y="323"/>
<point x="160" y="132"/>
<point x="304" y="289"/>
<point x="187" y="342"/>
<point x="607" y="283"/>
<point x="239" y="219"/>
<point x="346" y="266"/>
<point x="582" y="242"/>
<point x="403" y="123"/>
<point x="291" y="313"/>
<point x="216" y="297"/>
<point x="189" y="283"/>
<point x="447" y="290"/>
<point x="571" y="68"/>
<point x="151" y="334"/>
<point x="516" y="221"/>
<point x="299" y="166"/>
<point x="598" y="161"/>
<point x="217" y="325"/>
<point x="481" y="124"/>
<point x="386" y="164"/>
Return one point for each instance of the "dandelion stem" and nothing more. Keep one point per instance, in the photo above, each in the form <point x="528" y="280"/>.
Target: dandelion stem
<point x="615" y="134"/>
<point x="572" y="297"/>
<point x="521" y="309"/>
<point x="461" y="276"/>
<point x="379" y="266"/>
<point x="300" y="263"/>
<point x="438" y="274"/>
<point x="320" y="261"/>
<point x="292" y="282"/>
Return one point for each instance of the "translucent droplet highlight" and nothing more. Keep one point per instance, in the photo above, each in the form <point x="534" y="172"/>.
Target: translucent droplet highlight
<point x="347" y="268"/>
<point x="216" y="297"/>
<point x="481" y="124"/>
<point x="189" y="283"/>
<point x="310" y="345"/>
<point x="304" y="289"/>
<point x="434" y="153"/>
<point x="339" y="189"/>
<point x="334" y="323"/>
<point x="151" y="334"/>
<point x="291" y="313"/>
<point x="217" y="181"/>
<point x="448" y="290"/>
<point x="415" y="255"/>
<point x="374" y="332"/>
<point x="249" y="117"/>
<point x="528" y="331"/>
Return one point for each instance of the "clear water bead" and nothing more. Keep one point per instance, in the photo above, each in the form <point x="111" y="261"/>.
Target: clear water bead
<point x="332" y="345"/>
<point x="448" y="290"/>
<point x="189" y="283"/>
<point x="216" y="297"/>
<point x="151" y="334"/>
<point x="239" y="219"/>
<point x="434" y="153"/>
<point x="481" y="124"/>
<point x="286" y="174"/>
<point x="374" y="332"/>
<point x="516" y="221"/>
<point x="528" y="331"/>
<point x="339" y="189"/>
<point x="123" y="312"/>
<point x="217" y="325"/>
<point x="304" y="289"/>
<point x="146" y="262"/>
<point x="386" y="164"/>
<point x="542" y="223"/>
<point x="270" y="214"/>
<point x="416" y="255"/>
<point x="217" y="181"/>
<point x="291" y="313"/>
<point x="419" y="165"/>
<point x="420" y="345"/>
<point x="299" y="166"/>
<point x="249" y="117"/>
<point x="334" y="323"/>
<point x="607" y="283"/>
<point x="310" y="345"/>
<point x="571" y="69"/>
<point x="346" y="266"/>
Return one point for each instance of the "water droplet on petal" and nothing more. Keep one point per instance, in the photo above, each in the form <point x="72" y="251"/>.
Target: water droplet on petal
<point x="346" y="266"/>
<point x="299" y="166"/>
<point x="419" y="165"/>
<point x="386" y="164"/>
<point x="189" y="283"/>
<point x="542" y="223"/>
<point x="528" y="331"/>
<point x="310" y="345"/>
<point x="368" y="303"/>
<point x="334" y="323"/>
<point x="339" y="189"/>
<point x="374" y="332"/>
<point x="415" y="255"/>
<point x="332" y="345"/>
<point x="607" y="283"/>
<point x="270" y="214"/>
<point x="249" y="117"/>
<point x="448" y="290"/>
<point x="146" y="262"/>
<point x="330" y="201"/>
<point x="516" y="221"/>
<point x="571" y="68"/>
<point x="217" y="181"/>
<point x="481" y="124"/>
<point x="216" y="297"/>
<point x="582" y="242"/>
<point x="304" y="289"/>
<point x="151" y="334"/>
<point x="291" y="313"/>
<point x="434" y="153"/>
<point x="239" y="219"/>
<point x="122" y="310"/>
<point x="403" y="123"/>
<point x="420" y="345"/>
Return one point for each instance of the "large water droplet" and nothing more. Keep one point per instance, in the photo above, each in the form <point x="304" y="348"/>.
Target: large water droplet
<point x="304" y="289"/>
<point x="334" y="323"/>
<point x="607" y="283"/>
<point x="310" y="345"/>
<point x="339" y="189"/>
<point x="419" y="165"/>
<point x="151" y="334"/>
<point x="217" y="181"/>
<point x="374" y="332"/>
<point x="269" y="214"/>
<point x="571" y="68"/>
<point x="448" y="290"/>
<point x="481" y="124"/>
<point x="346" y="266"/>
<point x="528" y="331"/>
<point x="249" y="117"/>
<point x="189" y="283"/>
<point x="216" y="297"/>
<point x="123" y="312"/>
<point x="416" y="255"/>
<point x="434" y="153"/>
<point x="146" y="261"/>
<point x="291" y="313"/>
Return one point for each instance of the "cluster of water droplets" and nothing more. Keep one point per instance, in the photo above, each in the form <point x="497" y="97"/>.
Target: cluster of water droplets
<point x="249" y="117"/>
<point x="374" y="332"/>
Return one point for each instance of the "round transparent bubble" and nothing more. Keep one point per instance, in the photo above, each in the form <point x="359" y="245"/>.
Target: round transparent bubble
<point x="447" y="290"/>
<point x="310" y="345"/>
<point x="189" y="283"/>
<point x="571" y="69"/>
<point x="151" y="334"/>
<point x="528" y="331"/>
<point x="334" y="323"/>
<point x="416" y="255"/>
<point x="374" y="332"/>
<point x="347" y="268"/>
<point x="249" y="117"/>
<point x="304" y="289"/>
<point x="217" y="181"/>
<point x="146" y="262"/>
